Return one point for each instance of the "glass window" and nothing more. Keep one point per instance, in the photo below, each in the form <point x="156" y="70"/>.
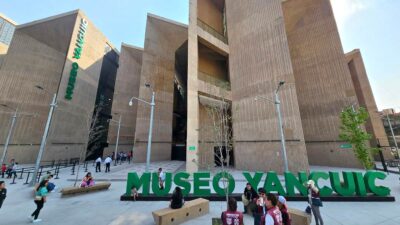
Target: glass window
<point x="6" y="31"/>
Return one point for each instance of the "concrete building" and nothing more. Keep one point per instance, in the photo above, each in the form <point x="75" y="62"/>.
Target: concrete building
<point x="7" y="28"/>
<point x="323" y="80"/>
<point x="374" y="125"/>
<point x="126" y="86"/>
<point x="64" y="55"/>
<point x="234" y="53"/>
<point x="162" y="39"/>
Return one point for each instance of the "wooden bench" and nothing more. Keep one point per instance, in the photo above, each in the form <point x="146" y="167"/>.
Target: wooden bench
<point x="299" y="217"/>
<point x="190" y="210"/>
<point x="80" y="190"/>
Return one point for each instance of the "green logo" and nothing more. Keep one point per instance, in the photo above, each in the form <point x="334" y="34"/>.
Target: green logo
<point x="77" y="55"/>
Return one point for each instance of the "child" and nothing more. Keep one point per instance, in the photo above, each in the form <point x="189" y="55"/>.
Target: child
<point x="134" y="193"/>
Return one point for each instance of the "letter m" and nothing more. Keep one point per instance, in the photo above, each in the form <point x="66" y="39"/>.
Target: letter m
<point x="135" y="181"/>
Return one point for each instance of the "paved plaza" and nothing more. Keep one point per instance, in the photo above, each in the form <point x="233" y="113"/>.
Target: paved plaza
<point x="105" y="207"/>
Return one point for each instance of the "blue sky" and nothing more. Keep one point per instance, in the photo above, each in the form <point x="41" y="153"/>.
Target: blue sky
<point x="371" y="25"/>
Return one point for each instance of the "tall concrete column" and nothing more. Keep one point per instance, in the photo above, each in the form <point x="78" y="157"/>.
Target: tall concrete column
<point x="192" y="142"/>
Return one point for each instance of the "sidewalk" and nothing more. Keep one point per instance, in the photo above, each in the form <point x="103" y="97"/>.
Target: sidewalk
<point x="105" y="208"/>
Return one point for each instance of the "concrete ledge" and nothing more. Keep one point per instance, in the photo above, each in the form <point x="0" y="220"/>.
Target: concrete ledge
<point x="81" y="190"/>
<point x="190" y="210"/>
<point x="215" y="197"/>
<point x="299" y="217"/>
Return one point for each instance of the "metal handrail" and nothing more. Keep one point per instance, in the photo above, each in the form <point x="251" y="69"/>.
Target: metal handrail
<point x="212" y="31"/>
<point x="214" y="80"/>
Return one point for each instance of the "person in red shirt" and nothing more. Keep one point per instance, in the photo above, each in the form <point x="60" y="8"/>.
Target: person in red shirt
<point x="273" y="215"/>
<point x="3" y="170"/>
<point x="232" y="216"/>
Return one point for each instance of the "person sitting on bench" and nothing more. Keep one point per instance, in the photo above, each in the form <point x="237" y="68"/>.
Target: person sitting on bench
<point x="87" y="180"/>
<point x="177" y="200"/>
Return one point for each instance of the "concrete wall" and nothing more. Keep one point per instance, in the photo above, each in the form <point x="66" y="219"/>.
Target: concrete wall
<point x="259" y="58"/>
<point x="3" y="48"/>
<point x="41" y="54"/>
<point x="209" y="13"/>
<point x="163" y="38"/>
<point x="127" y="85"/>
<point x="323" y="80"/>
<point x="365" y="96"/>
<point x="30" y="62"/>
<point x="212" y="64"/>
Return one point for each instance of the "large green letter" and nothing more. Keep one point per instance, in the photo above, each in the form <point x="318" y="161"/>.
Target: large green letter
<point x="272" y="183"/>
<point x="229" y="178"/>
<point x="156" y="187"/>
<point x="134" y="180"/>
<point x="180" y="179"/>
<point x="347" y="188"/>
<point x="360" y="185"/>
<point x="254" y="181"/>
<point x="198" y="183"/>
<point x="291" y="182"/>
<point x="315" y="176"/>
<point x="370" y="178"/>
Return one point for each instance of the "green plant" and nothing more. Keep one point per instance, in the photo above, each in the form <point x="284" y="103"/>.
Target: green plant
<point x="352" y="131"/>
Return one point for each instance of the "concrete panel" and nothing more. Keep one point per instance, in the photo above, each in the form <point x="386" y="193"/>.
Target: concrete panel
<point x="259" y="58"/>
<point x="323" y="81"/>
<point x="163" y="38"/>
<point x="209" y="13"/>
<point x="366" y="99"/>
<point x="127" y="85"/>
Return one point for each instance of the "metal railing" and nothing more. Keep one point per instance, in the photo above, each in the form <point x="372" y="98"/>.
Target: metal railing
<point x="212" y="31"/>
<point x="214" y="80"/>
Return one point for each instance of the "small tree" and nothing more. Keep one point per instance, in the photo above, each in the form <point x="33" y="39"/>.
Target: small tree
<point x="352" y="132"/>
<point x="93" y="132"/>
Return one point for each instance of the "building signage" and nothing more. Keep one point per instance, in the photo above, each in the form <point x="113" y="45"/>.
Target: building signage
<point x="352" y="184"/>
<point x="345" y="146"/>
<point x="77" y="55"/>
<point x="192" y="148"/>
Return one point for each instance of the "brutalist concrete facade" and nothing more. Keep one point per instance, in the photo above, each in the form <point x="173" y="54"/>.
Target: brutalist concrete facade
<point x="163" y="38"/>
<point x="42" y="53"/>
<point x="126" y="86"/>
<point x="374" y="125"/>
<point x="322" y="78"/>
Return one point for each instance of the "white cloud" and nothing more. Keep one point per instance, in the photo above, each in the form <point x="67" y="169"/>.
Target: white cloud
<point x="345" y="9"/>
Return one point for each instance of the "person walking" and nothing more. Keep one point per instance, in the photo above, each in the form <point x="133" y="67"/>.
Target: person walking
<point x="231" y="216"/>
<point x="3" y="192"/>
<point x="177" y="199"/>
<point x="108" y="161"/>
<point x="98" y="164"/>
<point x="286" y="220"/>
<point x="40" y="199"/>
<point x="248" y="198"/>
<point x="315" y="202"/>
<point x="273" y="215"/>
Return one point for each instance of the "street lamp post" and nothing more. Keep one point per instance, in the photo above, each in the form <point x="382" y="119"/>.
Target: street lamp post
<point x="394" y="137"/>
<point x="13" y="118"/>
<point x="116" y="144"/>
<point x="277" y="103"/>
<point x="152" y="105"/>
<point x="44" y="139"/>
